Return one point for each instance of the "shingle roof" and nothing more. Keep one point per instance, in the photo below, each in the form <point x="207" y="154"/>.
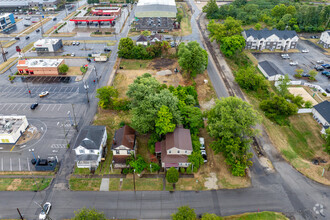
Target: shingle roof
<point x="90" y="137"/>
<point x="180" y="139"/>
<point x="270" y="68"/>
<point x="124" y="136"/>
<point x="170" y="159"/>
<point x="266" y="33"/>
<point x="323" y="109"/>
<point x="142" y="38"/>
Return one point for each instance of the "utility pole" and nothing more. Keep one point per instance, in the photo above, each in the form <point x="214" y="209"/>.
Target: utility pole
<point x="3" y="53"/>
<point x="41" y="27"/>
<point x="134" y="181"/>
<point x="20" y="214"/>
<point x="74" y="118"/>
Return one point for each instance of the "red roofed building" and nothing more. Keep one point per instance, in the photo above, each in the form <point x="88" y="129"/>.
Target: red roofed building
<point x="106" y="11"/>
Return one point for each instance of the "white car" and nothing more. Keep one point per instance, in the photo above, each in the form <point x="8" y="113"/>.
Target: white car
<point x="320" y="62"/>
<point x="285" y="56"/>
<point x="293" y="63"/>
<point x="44" y="212"/>
<point x="77" y="43"/>
<point x="72" y="54"/>
<point x="73" y="43"/>
<point x="203" y="152"/>
<point x="305" y="51"/>
<point x="201" y="141"/>
<point x="43" y="94"/>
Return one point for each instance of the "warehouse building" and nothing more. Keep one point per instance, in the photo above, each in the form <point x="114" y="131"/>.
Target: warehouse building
<point x="11" y="128"/>
<point x="48" y="45"/>
<point x="24" y="4"/>
<point x="39" y="67"/>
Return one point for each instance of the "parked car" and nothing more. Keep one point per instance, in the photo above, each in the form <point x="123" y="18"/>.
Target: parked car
<point x="34" y="106"/>
<point x="89" y="59"/>
<point x="294" y="63"/>
<point x="305" y="75"/>
<point x="43" y="94"/>
<point x="54" y="19"/>
<point x="72" y="54"/>
<point x="285" y="56"/>
<point x="6" y="52"/>
<point x="326" y="73"/>
<point x="37" y="30"/>
<point x="326" y="66"/>
<point x="319" y="68"/>
<point x="45" y="210"/>
<point x="73" y="43"/>
<point x="77" y="43"/>
<point x="320" y="62"/>
<point x="27" y="37"/>
<point x="107" y="49"/>
<point x="305" y="51"/>
<point x="204" y="157"/>
<point x="202" y="142"/>
<point x="17" y="38"/>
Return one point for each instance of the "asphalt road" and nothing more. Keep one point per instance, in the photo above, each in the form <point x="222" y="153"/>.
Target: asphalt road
<point x="285" y="190"/>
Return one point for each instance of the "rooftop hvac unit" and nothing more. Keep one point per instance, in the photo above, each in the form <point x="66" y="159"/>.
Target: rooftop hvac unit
<point x="8" y="126"/>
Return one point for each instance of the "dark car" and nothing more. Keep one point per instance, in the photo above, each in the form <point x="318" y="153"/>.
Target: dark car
<point x="106" y="49"/>
<point x="327" y="73"/>
<point x="6" y="52"/>
<point x="305" y="75"/>
<point x="326" y="66"/>
<point x="17" y="38"/>
<point x="89" y="59"/>
<point x="37" y="30"/>
<point x="27" y="37"/>
<point x="204" y="157"/>
<point x="34" y="106"/>
<point x="54" y="19"/>
<point x="319" y="68"/>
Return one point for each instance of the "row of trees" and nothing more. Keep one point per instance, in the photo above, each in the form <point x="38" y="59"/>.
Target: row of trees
<point x="281" y="14"/>
<point x="187" y="213"/>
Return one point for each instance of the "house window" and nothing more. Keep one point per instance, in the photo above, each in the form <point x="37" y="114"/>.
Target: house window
<point x="169" y="151"/>
<point x="81" y="151"/>
<point x="178" y="151"/>
<point x="185" y="152"/>
<point x="180" y="164"/>
<point x="117" y="151"/>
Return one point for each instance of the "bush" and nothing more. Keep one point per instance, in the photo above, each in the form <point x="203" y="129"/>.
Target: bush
<point x="125" y="171"/>
<point x="154" y="167"/>
<point x="107" y="32"/>
<point x="182" y="170"/>
<point x="99" y="33"/>
<point x="152" y="141"/>
<point x="195" y="169"/>
<point x="324" y="94"/>
<point x="122" y="124"/>
<point x="188" y="170"/>
<point x="83" y="69"/>
<point x="121" y="104"/>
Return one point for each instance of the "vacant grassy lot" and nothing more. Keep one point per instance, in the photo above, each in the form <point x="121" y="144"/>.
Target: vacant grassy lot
<point x="134" y="64"/>
<point x="185" y="22"/>
<point x="186" y="184"/>
<point x="143" y="184"/>
<point x="74" y="71"/>
<point x="24" y="184"/>
<point x="85" y="184"/>
<point x="257" y="216"/>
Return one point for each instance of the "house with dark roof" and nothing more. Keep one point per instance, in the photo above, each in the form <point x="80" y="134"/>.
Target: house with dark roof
<point x="123" y="146"/>
<point x="270" y="70"/>
<point x="175" y="148"/>
<point x="91" y="146"/>
<point x="321" y="113"/>
<point x="156" y="38"/>
<point x="142" y="40"/>
<point x="270" y="39"/>
<point x="325" y="39"/>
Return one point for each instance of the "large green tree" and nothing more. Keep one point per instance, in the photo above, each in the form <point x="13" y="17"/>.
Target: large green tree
<point x="164" y="122"/>
<point x="231" y="123"/>
<point x="138" y="163"/>
<point x="218" y="31"/>
<point x="208" y="216"/>
<point x="125" y="47"/>
<point x="88" y="214"/>
<point x="192" y="58"/>
<point x="249" y="79"/>
<point x="106" y="95"/>
<point x="172" y="175"/>
<point x="211" y="9"/>
<point x="232" y="45"/>
<point x="327" y="141"/>
<point x="192" y="118"/>
<point x="184" y="213"/>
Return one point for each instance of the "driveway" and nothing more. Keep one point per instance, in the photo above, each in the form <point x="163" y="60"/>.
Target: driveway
<point x="306" y="61"/>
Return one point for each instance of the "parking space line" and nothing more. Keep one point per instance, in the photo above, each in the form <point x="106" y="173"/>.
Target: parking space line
<point x="59" y="107"/>
<point x="42" y="107"/>
<point x="3" y="106"/>
<point x="9" y="107"/>
<point x="71" y="89"/>
<point x="21" y="90"/>
<point x="14" y="106"/>
<point x="20" y="107"/>
<point x="54" y="107"/>
<point x="19" y="164"/>
<point x="48" y="108"/>
<point x="27" y="159"/>
<point x="25" y="107"/>
<point x="66" y="89"/>
<point x="2" y="163"/>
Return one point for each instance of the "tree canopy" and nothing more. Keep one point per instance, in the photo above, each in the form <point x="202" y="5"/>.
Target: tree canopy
<point x="90" y="214"/>
<point x="192" y="58"/>
<point x="172" y="175"/>
<point x="327" y="141"/>
<point x="232" y="45"/>
<point x="106" y="96"/>
<point x="63" y="68"/>
<point x="184" y="213"/>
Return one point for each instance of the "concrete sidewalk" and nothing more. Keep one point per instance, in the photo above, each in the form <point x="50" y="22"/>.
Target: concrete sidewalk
<point x="105" y="184"/>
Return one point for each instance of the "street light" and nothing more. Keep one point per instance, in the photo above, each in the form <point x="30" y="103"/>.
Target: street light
<point x="32" y="150"/>
<point x="86" y="88"/>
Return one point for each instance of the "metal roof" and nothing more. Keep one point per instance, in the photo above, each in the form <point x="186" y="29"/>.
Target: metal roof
<point x="323" y="109"/>
<point x="270" y="68"/>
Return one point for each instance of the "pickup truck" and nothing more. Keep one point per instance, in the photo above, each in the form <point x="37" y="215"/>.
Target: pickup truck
<point x="101" y="58"/>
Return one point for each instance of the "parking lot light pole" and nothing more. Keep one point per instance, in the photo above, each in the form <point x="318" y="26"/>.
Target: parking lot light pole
<point x="32" y="150"/>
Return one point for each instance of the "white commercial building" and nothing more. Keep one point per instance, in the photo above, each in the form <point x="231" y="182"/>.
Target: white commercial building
<point x="28" y="3"/>
<point x="11" y="128"/>
<point x="48" y="45"/>
<point x="325" y="39"/>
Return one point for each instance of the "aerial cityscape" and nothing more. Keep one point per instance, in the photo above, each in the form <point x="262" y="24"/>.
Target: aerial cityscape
<point x="165" y="109"/>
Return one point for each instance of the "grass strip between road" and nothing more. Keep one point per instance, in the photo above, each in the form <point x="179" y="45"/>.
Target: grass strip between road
<point x="37" y="25"/>
<point x="6" y="65"/>
<point x="24" y="184"/>
<point x="27" y="47"/>
<point x="257" y="216"/>
<point x="9" y="43"/>
<point x="64" y="34"/>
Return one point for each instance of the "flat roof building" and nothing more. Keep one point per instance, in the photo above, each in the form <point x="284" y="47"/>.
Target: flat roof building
<point x="28" y="3"/>
<point x="7" y="22"/>
<point x="48" y="45"/>
<point x="40" y="67"/>
<point x="106" y="11"/>
<point x="11" y="128"/>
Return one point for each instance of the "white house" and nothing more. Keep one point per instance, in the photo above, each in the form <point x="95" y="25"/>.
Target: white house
<point x="11" y="128"/>
<point x="270" y="70"/>
<point x="325" y="39"/>
<point x="321" y="113"/>
<point x="91" y="148"/>
<point x="123" y="146"/>
<point x="156" y="38"/>
<point x="142" y="40"/>
<point x="270" y="39"/>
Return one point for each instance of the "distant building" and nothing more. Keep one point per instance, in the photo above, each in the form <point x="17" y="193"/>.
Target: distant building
<point x="325" y="39"/>
<point x="106" y="11"/>
<point x="23" y="4"/>
<point x="11" y="128"/>
<point x="43" y="67"/>
<point x="270" y="70"/>
<point x="48" y="45"/>
<point x="142" y="40"/>
<point x="270" y="39"/>
<point x="156" y="8"/>
<point x="321" y="113"/>
<point x="156" y="38"/>
<point x="123" y="146"/>
<point x="7" y="21"/>
<point x="91" y="148"/>
<point x="175" y="148"/>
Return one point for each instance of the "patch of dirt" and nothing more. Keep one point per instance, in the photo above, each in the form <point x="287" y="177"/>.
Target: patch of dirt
<point x="211" y="182"/>
<point x="303" y="93"/>
<point x="14" y="185"/>
<point x="206" y="93"/>
<point x="163" y="63"/>
<point x="265" y="162"/>
<point x="207" y="105"/>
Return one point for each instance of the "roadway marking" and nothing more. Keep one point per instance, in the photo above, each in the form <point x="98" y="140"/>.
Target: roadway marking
<point x="42" y="107"/>
<point x="13" y="148"/>
<point x="67" y="88"/>
<point x="20" y="107"/>
<point x="9" y="107"/>
<point x="2" y="163"/>
<point x="56" y="146"/>
<point x="19" y="164"/>
<point x="47" y="108"/>
<point x="27" y="159"/>
<point x="22" y="146"/>
<point x="59" y="107"/>
<point x="25" y="107"/>
<point x="53" y="107"/>
<point x="3" y="106"/>
<point x="15" y="106"/>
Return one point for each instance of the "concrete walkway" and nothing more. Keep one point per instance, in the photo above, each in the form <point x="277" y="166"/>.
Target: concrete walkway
<point x="105" y="184"/>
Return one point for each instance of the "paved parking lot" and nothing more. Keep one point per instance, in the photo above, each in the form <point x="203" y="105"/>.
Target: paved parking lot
<point x="306" y="61"/>
<point x="47" y="79"/>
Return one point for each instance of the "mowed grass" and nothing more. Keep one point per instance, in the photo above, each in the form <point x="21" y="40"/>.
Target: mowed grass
<point x="142" y="184"/>
<point x="81" y="171"/>
<point x="257" y="216"/>
<point x="24" y="184"/>
<point x="27" y="47"/>
<point x="185" y="24"/>
<point x="114" y="184"/>
<point x="134" y="64"/>
<point x="85" y="184"/>
<point x="186" y="184"/>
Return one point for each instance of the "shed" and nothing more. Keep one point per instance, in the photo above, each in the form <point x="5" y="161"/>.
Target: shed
<point x="270" y="70"/>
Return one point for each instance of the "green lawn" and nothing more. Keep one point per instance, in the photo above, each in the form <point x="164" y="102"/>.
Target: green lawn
<point x="24" y="184"/>
<point x="81" y="171"/>
<point x="85" y="184"/>
<point x="134" y="64"/>
<point x="114" y="184"/>
<point x="27" y="47"/>
<point x="143" y="184"/>
<point x="186" y="184"/>
<point x="257" y="216"/>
